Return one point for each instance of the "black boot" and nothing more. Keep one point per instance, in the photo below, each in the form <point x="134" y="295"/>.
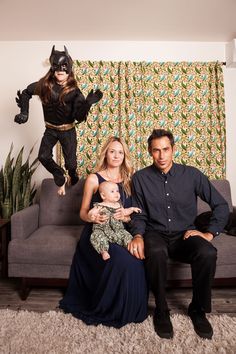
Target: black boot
<point x="200" y="323"/>
<point x="162" y="324"/>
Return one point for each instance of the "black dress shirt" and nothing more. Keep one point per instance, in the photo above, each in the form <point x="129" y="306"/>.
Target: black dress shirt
<point x="169" y="201"/>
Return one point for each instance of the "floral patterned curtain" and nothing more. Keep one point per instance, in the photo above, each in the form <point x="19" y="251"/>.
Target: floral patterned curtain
<point x="186" y="98"/>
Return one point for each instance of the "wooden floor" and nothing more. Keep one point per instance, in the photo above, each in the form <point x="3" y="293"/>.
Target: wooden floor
<point x="46" y="299"/>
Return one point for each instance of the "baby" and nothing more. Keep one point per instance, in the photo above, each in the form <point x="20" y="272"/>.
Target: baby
<point x="112" y="230"/>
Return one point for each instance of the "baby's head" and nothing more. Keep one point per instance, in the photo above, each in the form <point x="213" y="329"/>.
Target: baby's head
<point x="109" y="191"/>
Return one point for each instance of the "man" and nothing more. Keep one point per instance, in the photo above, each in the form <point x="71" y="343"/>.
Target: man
<point x="166" y="193"/>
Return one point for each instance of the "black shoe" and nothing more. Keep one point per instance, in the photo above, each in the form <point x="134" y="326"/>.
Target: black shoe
<point x="162" y="324"/>
<point x="200" y="323"/>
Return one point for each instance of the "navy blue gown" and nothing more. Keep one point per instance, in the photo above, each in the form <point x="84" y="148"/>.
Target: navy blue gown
<point x="112" y="292"/>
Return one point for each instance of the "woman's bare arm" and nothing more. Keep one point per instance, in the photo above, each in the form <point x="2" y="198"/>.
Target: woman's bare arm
<point x="90" y="187"/>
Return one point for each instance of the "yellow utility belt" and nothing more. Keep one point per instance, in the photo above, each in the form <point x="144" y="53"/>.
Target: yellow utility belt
<point x="61" y="128"/>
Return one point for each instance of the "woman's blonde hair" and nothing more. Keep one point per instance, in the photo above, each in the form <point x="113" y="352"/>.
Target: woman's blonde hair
<point x="126" y="168"/>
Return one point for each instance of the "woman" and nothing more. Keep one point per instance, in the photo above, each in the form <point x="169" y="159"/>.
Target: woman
<point x="63" y="103"/>
<point x="112" y="292"/>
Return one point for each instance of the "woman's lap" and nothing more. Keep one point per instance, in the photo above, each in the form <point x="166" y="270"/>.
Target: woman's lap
<point x="111" y="292"/>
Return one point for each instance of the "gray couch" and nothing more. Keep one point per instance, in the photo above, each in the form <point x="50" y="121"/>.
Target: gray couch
<point x="44" y="238"/>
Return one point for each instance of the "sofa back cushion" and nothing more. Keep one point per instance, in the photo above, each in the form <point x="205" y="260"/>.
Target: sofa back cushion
<point x="60" y="210"/>
<point x="223" y="187"/>
<point x="64" y="210"/>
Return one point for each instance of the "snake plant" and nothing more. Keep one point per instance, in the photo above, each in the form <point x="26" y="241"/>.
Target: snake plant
<point x="16" y="191"/>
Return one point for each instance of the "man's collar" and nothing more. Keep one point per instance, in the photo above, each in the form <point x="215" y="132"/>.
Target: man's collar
<point x="172" y="170"/>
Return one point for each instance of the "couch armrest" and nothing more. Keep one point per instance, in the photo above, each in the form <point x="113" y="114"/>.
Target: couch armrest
<point x="24" y="222"/>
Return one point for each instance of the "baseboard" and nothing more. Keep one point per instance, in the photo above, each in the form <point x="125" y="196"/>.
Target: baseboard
<point x="28" y="283"/>
<point x="187" y="283"/>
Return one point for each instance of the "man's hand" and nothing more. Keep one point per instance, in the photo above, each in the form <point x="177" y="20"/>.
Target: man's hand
<point x="94" y="97"/>
<point x="21" y="118"/>
<point x="136" y="247"/>
<point x="190" y="233"/>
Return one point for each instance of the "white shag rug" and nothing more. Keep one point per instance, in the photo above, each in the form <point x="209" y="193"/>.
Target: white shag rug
<point x="54" y="332"/>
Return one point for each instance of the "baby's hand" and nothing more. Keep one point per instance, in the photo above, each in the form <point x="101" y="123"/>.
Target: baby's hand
<point x="102" y="211"/>
<point x="129" y="211"/>
<point x="136" y="210"/>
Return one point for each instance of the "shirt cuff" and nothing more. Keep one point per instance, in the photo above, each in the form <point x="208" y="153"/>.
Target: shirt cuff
<point x="214" y="233"/>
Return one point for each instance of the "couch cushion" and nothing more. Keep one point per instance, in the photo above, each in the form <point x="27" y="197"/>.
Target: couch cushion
<point x="49" y="245"/>
<point x="223" y="187"/>
<point x="60" y="210"/>
<point x="226" y="250"/>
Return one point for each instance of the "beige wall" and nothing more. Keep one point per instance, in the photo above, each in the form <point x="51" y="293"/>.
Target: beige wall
<point x="24" y="62"/>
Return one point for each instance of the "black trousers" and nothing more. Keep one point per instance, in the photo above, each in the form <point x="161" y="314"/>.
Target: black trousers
<point x="68" y="143"/>
<point x="195" y="250"/>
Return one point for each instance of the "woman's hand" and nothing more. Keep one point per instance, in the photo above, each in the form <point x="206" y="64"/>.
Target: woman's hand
<point x="98" y="216"/>
<point x="120" y="214"/>
<point x="136" y="247"/>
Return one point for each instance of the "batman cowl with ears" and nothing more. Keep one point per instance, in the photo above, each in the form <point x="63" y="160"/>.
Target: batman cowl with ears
<point x="60" y="61"/>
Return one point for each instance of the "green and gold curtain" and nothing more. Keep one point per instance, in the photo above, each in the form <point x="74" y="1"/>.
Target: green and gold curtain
<point x="186" y="98"/>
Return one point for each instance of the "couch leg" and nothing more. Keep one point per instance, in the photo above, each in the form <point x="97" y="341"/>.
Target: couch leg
<point x="24" y="289"/>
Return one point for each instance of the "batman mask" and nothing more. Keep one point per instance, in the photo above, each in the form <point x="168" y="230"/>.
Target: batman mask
<point x="60" y="61"/>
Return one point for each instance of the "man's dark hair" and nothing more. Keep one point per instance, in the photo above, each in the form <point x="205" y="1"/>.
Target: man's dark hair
<point x="159" y="133"/>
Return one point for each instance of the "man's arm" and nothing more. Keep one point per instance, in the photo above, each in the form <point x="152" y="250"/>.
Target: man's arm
<point x="219" y="206"/>
<point x="220" y="210"/>
<point x="138" y="220"/>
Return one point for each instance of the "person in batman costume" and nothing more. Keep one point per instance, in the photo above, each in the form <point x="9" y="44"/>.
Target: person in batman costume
<point x="63" y="104"/>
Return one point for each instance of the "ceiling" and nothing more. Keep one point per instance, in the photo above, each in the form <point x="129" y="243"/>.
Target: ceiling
<point x="123" y="20"/>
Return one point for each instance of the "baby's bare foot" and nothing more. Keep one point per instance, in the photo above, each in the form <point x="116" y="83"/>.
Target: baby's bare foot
<point x="105" y="255"/>
<point x="62" y="190"/>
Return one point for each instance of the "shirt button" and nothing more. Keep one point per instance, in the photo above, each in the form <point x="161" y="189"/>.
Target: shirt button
<point x="165" y="181"/>
<point x="168" y="207"/>
<point x="167" y="194"/>
<point x="169" y="220"/>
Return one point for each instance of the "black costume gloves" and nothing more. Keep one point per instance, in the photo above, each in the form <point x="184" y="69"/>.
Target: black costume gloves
<point x="82" y="106"/>
<point x="23" y="102"/>
<point x="94" y="97"/>
<point x="21" y="118"/>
